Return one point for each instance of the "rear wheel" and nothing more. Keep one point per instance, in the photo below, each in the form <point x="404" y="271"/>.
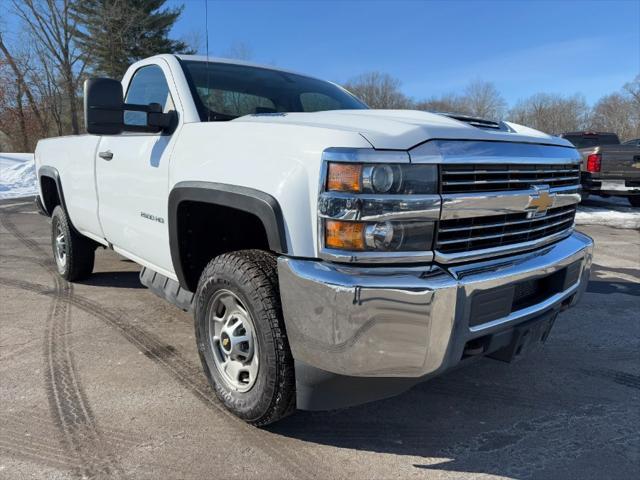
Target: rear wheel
<point x="73" y="253"/>
<point x="241" y="336"/>
<point x="634" y="200"/>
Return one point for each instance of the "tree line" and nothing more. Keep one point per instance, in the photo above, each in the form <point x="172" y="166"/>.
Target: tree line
<point x="59" y="44"/>
<point x="617" y="112"/>
<point x="62" y="42"/>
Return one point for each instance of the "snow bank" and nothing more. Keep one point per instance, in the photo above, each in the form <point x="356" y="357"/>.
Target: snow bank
<point x="17" y="175"/>
<point x="612" y="212"/>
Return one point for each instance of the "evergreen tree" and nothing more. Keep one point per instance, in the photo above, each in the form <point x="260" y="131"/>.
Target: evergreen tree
<point x="115" y="33"/>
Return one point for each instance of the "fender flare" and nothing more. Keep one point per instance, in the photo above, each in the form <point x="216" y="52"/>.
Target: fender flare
<point x="51" y="172"/>
<point x="246" y="199"/>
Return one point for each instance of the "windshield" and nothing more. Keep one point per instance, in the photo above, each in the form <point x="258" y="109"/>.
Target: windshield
<point x="592" y="140"/>
<point x="224" y="91"/>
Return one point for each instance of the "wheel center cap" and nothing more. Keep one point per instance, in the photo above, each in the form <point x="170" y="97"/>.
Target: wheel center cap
<point x="226" y="342"/>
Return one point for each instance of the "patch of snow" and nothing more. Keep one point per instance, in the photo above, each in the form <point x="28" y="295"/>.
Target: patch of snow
<point x="610" y="211"/>
<point x="17" y="175"/>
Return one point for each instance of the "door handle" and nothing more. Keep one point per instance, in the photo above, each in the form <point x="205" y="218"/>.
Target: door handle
<point x="106" y="155"/>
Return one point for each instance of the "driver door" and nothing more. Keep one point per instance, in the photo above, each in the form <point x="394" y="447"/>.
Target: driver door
<point x="132" y="171"/>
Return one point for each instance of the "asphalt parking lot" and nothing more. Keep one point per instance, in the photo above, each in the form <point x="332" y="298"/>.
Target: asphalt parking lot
<point x="101" y="379"/>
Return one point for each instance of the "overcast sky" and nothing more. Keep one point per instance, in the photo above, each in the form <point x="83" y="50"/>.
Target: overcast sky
<point x="589" y="47"/>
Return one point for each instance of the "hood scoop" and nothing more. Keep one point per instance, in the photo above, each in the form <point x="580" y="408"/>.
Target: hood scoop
<point x="478" y="122"/>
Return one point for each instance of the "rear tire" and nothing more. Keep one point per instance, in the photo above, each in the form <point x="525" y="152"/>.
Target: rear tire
<point x="634" y="200"/>
<point x="241" y="336"/>
<point x="74" y="254"/>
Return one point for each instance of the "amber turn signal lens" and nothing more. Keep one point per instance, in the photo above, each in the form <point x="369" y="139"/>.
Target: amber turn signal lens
<point x="344" y="235"/>
<point x="344" y="177"/>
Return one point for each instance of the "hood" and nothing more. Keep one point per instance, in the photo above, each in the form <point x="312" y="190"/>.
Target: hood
<point x="403" y="129"/>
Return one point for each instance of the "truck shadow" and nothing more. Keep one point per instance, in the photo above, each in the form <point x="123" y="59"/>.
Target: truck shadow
<point x="459" y="424"/>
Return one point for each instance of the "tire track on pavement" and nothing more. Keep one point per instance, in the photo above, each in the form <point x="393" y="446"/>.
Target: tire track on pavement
<point x="67" y="400"/>
<point x="182" y="370"/>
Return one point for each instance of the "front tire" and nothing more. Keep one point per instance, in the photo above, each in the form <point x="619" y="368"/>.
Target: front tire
<point x="73" y="253"/>
<point x="634" y="200"/>
<point x="241" y="336"/>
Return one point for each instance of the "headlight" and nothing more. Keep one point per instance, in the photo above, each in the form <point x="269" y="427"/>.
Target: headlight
<point x="377" y="207"/>
<point x="414" y="236"/>
<point x="403" y="179"/>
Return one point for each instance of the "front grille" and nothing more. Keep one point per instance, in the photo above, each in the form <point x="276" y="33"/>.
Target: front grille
<point x="476" y="233"/>
<point x="470" y="178"/>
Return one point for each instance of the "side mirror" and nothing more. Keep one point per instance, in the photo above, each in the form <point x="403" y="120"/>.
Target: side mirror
<point x="159" y="120"/>
<point x="103" y="106"/>
<point x="104" y="111"/>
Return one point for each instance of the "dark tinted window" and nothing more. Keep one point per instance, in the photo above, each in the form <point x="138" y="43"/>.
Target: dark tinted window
<point x="591" y="140"/>
<point x="148" y="85"/>
<point x="225" y="91"/>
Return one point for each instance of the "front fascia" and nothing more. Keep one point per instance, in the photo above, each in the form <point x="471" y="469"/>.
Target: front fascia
<point x="411" y="321"/>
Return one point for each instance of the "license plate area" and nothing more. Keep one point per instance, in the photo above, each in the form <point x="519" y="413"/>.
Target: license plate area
<point x="613" y="185"/>
<point x="525" y="338"/>
<point x="515" y="342"/>
<point x="500" y="302"/>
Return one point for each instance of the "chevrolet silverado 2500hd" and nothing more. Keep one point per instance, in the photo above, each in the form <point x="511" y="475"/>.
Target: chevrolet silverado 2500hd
<point x="330" y="254"/>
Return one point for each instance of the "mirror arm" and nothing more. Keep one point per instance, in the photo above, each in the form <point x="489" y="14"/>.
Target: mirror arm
<point x="156" y="119"/>
<point x="136" y="108"/>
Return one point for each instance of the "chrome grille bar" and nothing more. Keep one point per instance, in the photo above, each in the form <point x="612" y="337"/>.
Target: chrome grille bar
<point x="569" y="212"/>
<point x="483" y="177"/>
<point x="574" y="178"/>
<point x="507" y="172"/>
<point x="500" y="235"/>
<point x="465" y="235"/>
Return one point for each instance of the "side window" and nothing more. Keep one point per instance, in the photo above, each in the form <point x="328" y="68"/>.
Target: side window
<point x="318" y="102"/>
<point x="148" y="85"/>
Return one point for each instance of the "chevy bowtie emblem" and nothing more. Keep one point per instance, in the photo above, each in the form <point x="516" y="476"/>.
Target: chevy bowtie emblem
<point x="540" y="200"/>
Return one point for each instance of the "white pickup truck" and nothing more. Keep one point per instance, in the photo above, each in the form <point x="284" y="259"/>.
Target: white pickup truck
<point x="331" y="254"/>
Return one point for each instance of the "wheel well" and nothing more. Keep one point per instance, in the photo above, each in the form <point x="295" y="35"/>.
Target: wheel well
<point x="50" y="195"/>
<point x="207" y="230"/>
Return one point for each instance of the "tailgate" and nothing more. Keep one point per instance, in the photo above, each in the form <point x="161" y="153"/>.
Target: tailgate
<point x="620" y="162"/>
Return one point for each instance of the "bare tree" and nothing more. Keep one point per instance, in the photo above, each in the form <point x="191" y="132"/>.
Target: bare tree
<point x="19" y="126"/>
<point x="447" y="103"/>
<point x="551" y="113"/>
<point x="479" y="99"/>
<point x="633" y="88"/>
<point x="194" y="40"/>
<point x="379" y="90"/>
<point x="482" y="99"/>
<point x="52" y="26"/>
<point x="617" y="113"/>
<point x="238" y="51"/>
<point x="18" y="68"/>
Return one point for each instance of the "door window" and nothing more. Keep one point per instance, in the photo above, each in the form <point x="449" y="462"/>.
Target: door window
<point x="148" y="85"/>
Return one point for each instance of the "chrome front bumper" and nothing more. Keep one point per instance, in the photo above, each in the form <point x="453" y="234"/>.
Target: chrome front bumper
<point x="410" y="321"/>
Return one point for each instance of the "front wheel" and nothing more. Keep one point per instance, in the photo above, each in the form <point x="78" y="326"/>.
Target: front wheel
<point x="241" y="336"/>
<point x="634" y="200"/>
<point x="73" y="253"/>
